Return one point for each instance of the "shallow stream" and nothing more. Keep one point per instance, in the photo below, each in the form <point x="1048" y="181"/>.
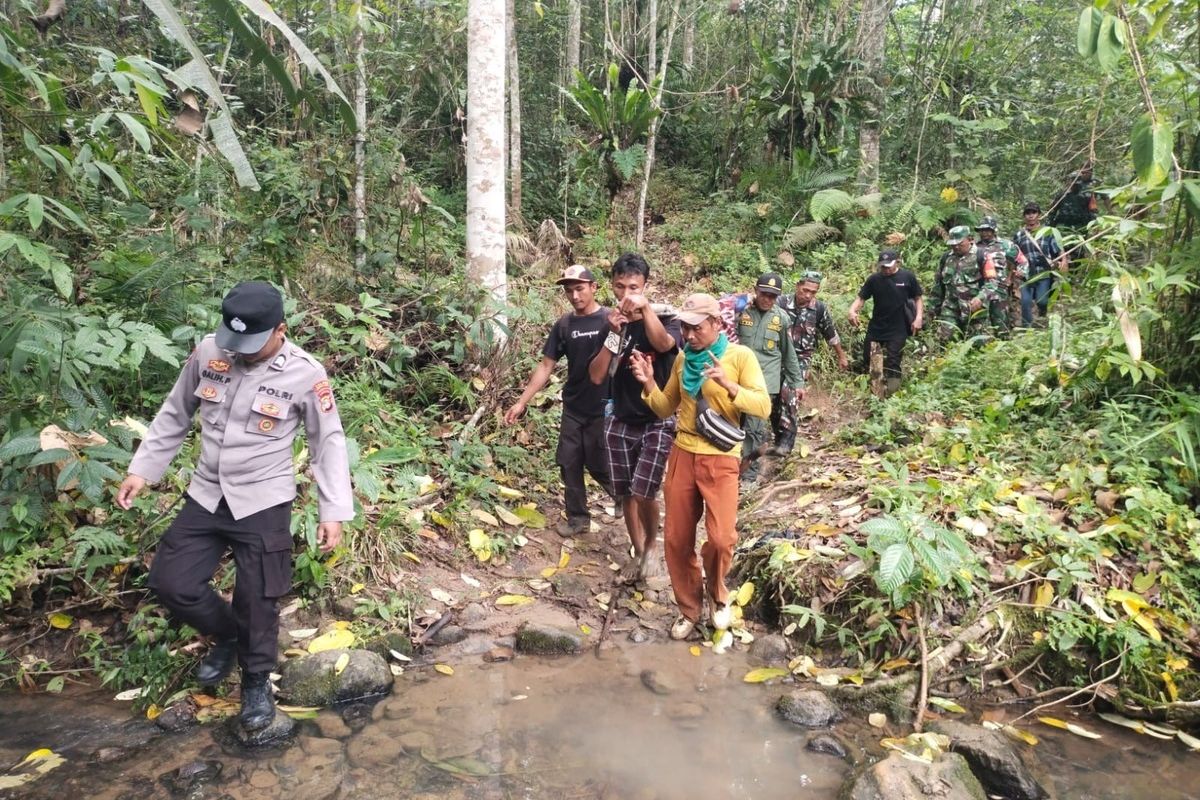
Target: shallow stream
<point x="649" y="722"/>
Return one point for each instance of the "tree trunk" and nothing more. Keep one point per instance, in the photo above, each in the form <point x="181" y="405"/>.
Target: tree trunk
<point x="574" y="37"/>
<point x="688" y="59"/>
<point x="652" y="44"/>
<point x="360" y="143"/>
<point x="514" y="111"/>
<point x="485" y="159"/>
<point x="650" y="142"/>
<point x="869" y="48"/>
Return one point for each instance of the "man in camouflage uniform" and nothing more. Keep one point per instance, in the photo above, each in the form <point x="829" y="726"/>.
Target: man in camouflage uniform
<point x="1011" y="272"/>
<point x="963" y="288"/>
<point x="764" y="329"/>
<point x="811" y="322"/>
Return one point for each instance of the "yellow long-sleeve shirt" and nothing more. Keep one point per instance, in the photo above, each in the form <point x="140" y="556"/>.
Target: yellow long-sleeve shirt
<point x="741" y="367"/>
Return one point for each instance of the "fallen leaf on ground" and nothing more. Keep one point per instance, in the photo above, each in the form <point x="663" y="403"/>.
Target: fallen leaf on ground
<point x="948" y="705"/>
<point x="877" y="720"/>
<point x="129" y="694"/>
<point x="60" y="620"/>
<point x="442" y="596"/>
<point x="1078" y="730"/>
<point x="445" y="669"/>
<point x="745" y="593"/>
<point x="763" y="674"/>
<point x="485" y="517"/>
<point x="468" y="580"/>
<point x="694" y="650"/>
<point x="340" y="665"/>
<point x="480" y="544"/>
<point x="302" y="633"/>
<point x="514" y="600"/>
<point x="508" y="517"/>
<point x="336" y="639"/>
<point x="1011" y="731"/>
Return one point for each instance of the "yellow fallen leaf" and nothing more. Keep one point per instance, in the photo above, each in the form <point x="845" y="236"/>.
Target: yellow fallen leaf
<point x="1144" y="622"/>
<point x="440" y="519"/>
<point x="1027" y="504"/>
<point x="805" y="451"/>
<point x="1078" y="730"/>
<point x="340" y="665"/>
<point x="894" y="663"/>
<point x="827" y="679"/>
<point x="1044" y="594"/>
<point x="807" y="499"/>
<point x="694" y="649"/>
<point x="1172" y="689"/>
<point x="1011" y="732"/>
<point x="763" y="674"/>
<point x="153" y="711"/>
<point x="509" y="493"/>
<point x="296" y="709"/>
<point x="548" y="572"/>
<point x="339" y="625"/>
<point x="411" y="557"/>
<point x="358" y="587"/>
<point x="38" y="755"/>
<point x="480" y="543"/>
<point x="485" y="517"/>
<point x="585" y="628"/>
<point x="60" y="620"/>
<point x="1175" y="663"/>
<point x="445" y="669"/>
<point x="745" y="593"/>
<point x="514" y="600"/>
<point x="337" y="639"/>
<point x="564" y="558"/>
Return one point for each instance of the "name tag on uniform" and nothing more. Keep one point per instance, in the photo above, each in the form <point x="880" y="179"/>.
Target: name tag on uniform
<point x="211" y="391"/>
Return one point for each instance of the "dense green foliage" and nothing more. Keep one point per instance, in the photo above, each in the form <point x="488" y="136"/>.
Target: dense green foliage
<point x="122" y="227"/>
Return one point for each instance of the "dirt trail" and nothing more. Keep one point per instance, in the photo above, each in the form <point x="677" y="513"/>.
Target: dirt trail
<point x="577" y="595"/>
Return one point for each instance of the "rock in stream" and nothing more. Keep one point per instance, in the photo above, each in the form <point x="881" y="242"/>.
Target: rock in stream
<point x="314" y="681"/>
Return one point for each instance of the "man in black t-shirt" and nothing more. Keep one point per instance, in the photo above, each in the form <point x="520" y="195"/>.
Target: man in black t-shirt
<point x="577" y="336"/>
<point x="636" y="440"/>
<point x="891" y="289"/>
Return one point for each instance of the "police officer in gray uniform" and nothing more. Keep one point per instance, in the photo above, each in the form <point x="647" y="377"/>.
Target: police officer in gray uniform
<point x="253" y="389"/>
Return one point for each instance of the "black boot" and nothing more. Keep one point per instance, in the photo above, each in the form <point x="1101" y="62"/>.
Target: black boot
<point x="217" y="663"/>
<point x="258" y="702"/>
<point x="784" y="444"/>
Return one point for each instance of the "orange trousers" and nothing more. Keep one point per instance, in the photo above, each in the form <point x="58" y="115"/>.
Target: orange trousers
<point x="698" y="484"/>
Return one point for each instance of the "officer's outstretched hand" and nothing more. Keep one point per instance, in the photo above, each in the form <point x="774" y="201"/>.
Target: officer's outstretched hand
<point x="131" y="487"/>
<point x="329" y="535"/>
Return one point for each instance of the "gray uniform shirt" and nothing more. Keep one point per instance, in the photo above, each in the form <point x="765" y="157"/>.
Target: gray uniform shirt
<point x="249" y="415"/>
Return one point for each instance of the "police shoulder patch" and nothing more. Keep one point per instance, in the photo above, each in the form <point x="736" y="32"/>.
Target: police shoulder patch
<point x="324" y="393"/>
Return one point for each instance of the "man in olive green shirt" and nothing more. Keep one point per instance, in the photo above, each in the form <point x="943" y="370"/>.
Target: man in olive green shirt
<point x="763" y="328"/>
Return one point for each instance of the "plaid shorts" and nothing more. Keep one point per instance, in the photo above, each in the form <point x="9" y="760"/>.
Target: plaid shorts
<point x="637" y="455"/>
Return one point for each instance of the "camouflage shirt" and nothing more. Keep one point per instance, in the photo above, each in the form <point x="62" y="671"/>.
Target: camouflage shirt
<point x="961" y="279"/>
<point x="809" y="324"/>
<point x="1010" y="270"/>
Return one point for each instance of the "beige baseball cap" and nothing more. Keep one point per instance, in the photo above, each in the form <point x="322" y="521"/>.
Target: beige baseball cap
<point x="699" y="307"/>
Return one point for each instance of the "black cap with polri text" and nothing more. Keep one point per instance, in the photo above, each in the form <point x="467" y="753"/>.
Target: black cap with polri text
<point x="249" y="313"/>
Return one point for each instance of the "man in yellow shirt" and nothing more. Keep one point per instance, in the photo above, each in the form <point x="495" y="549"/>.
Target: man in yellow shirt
<point x="702" y="477"/>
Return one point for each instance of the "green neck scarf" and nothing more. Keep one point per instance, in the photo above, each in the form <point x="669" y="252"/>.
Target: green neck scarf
<point x="696" y="361"/>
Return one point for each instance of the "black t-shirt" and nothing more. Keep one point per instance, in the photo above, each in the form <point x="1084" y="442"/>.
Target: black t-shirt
<point x="578" y="337"/>
<point x="890" y="293"/>
<point x="628" y="405"/>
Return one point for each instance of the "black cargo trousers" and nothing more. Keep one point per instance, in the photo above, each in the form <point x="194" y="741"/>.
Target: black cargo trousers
<point x="189" y="554"/>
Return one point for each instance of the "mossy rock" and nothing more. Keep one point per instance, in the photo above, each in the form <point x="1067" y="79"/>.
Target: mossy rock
<point x="894" y="699"/>
<point x="543" y="640"/>
<point x="315" y="681"/>
<point x="899" y="778"/>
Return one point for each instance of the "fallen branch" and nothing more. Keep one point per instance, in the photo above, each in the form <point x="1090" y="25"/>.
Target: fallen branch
<point x="615" y="595"/>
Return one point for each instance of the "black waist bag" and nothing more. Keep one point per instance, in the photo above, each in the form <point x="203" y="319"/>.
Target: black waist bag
<point x="716" y="430"/>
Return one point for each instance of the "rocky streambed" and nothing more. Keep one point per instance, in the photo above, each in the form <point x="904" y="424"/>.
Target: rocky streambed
<point x="649" y="721"/>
